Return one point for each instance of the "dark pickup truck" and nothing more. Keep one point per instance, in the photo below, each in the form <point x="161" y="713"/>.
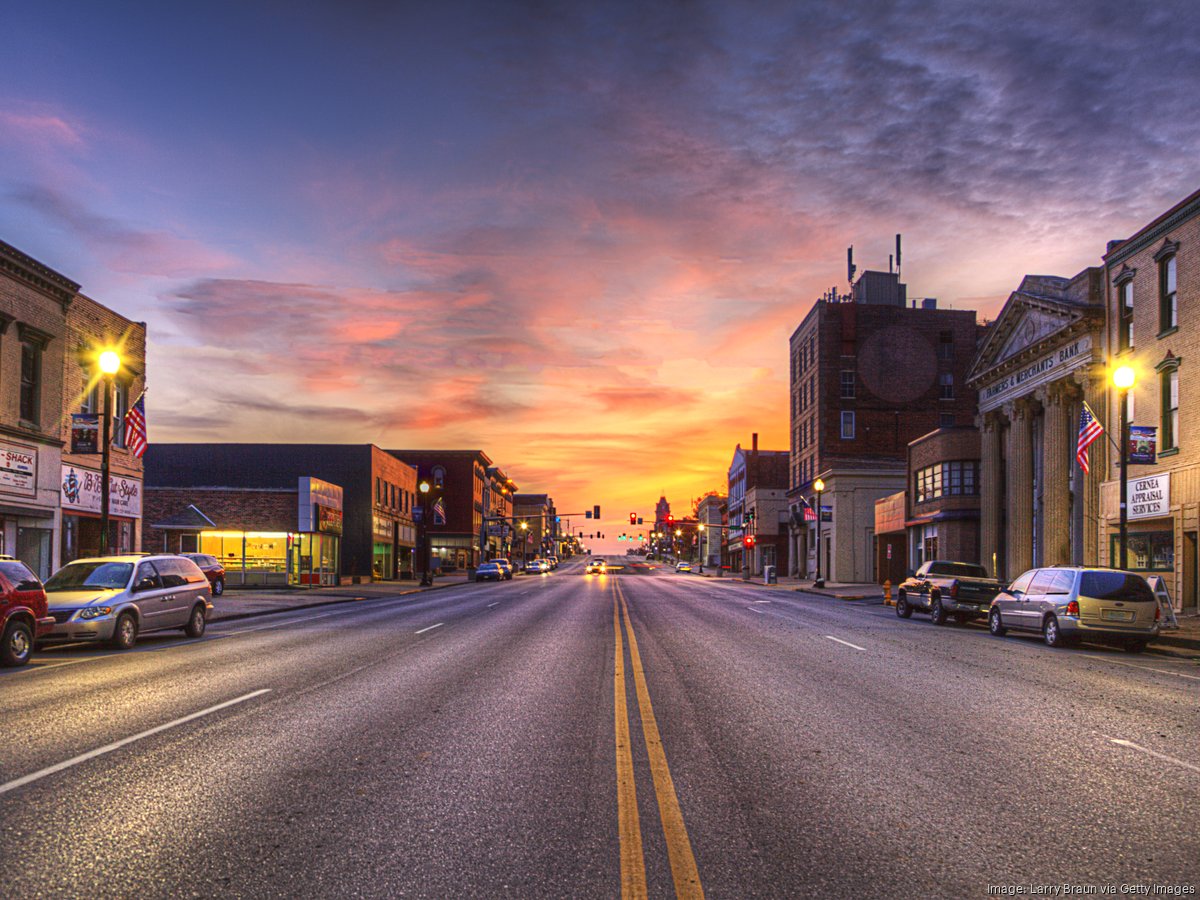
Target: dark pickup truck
<point x="943" y="589"/>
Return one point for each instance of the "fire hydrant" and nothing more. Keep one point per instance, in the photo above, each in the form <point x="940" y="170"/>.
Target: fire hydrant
<point x="887" y="593"/>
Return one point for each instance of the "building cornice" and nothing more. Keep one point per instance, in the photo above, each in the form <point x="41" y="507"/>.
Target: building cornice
<point x="1160" y="227"/>
<point x="40" y="277"/>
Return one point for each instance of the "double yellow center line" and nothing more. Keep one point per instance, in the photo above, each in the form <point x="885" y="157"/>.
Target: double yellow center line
<point x="679" y="848"/>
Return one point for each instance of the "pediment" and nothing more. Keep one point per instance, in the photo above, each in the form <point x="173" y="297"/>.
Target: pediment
<point x="1033" y="326"/>
<point x="1023" y="323"/>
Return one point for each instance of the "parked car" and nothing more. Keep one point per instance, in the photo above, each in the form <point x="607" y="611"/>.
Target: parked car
<point x="489" y="571"/>
<point x="24" y="613"/>
<point x="505" y="566"/>
<point x="115" y="598"/>
<point x="213" y="569"/>
<point x="683" y="566"/>
<point x="1068" y="604"/>
<point x="943" y="588"/>
<point x="596" y="566"/>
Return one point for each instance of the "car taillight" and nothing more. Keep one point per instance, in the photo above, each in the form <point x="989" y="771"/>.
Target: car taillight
<point x="954" y="589"/>
<point x="1073" y="608"/>
<point x="1157" y="612"/>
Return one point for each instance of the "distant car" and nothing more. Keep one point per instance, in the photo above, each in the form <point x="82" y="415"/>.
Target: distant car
<point x="505" y="566"/>
<point x="24" y="614"/>
<point x="1069" y="604"/>
<point x="553" y="560"/>
<point x="596" y="566"/>
<point x="116" y="598"/>
<point x="683" y="566"/>
<point x="536" y="566"/>
<point x="489" y="571"/>
<point x="944" y="588"/>
<point x="213" y="569"/>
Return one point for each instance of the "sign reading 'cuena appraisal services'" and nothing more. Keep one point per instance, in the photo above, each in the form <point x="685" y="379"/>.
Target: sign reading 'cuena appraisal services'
<point x="1150" y="497"/>
<point x="1049" y="367"/>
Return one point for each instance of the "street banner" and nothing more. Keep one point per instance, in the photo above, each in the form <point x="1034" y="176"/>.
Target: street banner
<point x="826" y="513"/>
<point x="85" y="432"/>
<point x="1143" y="442"/>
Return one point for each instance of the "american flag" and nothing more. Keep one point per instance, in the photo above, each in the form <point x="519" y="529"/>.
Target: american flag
<point x="1089" y="429"/>
<point x="439" y="512"/>
<point x="810" y="514"/>
<point x="135" y="426"/>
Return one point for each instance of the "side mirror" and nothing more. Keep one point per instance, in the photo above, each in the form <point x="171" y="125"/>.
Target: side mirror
<point x="146" y="584"/>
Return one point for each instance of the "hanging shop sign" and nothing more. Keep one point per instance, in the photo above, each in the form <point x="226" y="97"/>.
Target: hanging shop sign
<point x="80" y="490"/>
<point x="85" y="432"/>
<point x="329" y="520"/>
<point x="1150" y="497"/>
<point x="1143" y="441"/>
<point x="18" y="470"/>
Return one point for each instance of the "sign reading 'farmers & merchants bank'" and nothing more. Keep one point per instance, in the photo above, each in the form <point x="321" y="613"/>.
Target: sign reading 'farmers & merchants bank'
<point x="1051" y="366"/>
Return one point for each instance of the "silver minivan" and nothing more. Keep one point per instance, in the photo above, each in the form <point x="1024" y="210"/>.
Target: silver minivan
<point x="115" y="598"/>
<point x="1068" y="604"/>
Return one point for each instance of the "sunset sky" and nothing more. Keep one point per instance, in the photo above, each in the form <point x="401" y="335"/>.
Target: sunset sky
<point x="576" y="236"/>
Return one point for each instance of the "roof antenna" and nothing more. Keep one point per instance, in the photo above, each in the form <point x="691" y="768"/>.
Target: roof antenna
<point x="897" y="256"/>
<point x="850" y="267"/>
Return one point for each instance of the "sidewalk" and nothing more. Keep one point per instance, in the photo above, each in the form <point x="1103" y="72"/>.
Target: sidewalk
<point x="238" y="603"/>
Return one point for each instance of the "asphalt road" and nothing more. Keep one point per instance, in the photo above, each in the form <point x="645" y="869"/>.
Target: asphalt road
<point x="584" y="736"/>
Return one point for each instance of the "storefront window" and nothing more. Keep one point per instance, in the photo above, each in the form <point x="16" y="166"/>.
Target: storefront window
<point x="1148" y="551"/>
<point x="381" y="566"/>
<point x="249" y="557"/>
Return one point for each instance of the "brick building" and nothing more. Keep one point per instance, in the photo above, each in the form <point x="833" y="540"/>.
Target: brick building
<point x="458" y="478"/>
<point x="758" y="481"/>
<point x="536" y="529"/>
<point x="498" y="493"/>
<point x="1041" y="360"/>
<point x="263" y="536"/>
<point x="1154" y="327"/>
<point x="91" y="329"/>
<point x="380" y="492"/>
<point x="942" y="508"/>
<point x="869" y="374"/>
<point x="34" y="302"/>
<point x="708" y="513"/>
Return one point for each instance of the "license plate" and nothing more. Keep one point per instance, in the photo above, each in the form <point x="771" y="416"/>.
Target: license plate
<point x="1117" y="615"/>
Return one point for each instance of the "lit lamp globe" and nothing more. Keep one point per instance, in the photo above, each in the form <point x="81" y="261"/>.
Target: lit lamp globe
<point x="678" y="532"/>
<point x="423" y="487"/>
<point x="110" y="362"/>
<point x="1124" y="377"/>
<point x="818" y="485"/>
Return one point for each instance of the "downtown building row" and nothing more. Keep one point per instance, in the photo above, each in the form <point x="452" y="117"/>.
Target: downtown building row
<point x="937" y="437"/>
<point x="311" y="514"/>
<point x="51" y="338"/>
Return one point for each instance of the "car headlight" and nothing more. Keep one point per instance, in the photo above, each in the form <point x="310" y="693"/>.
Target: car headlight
<point x="95" y="612"/>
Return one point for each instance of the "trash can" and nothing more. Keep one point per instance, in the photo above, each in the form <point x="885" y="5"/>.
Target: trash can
<point x="769" y="575"/>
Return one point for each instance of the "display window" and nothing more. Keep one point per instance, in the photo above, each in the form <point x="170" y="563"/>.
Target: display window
<point x="1148" y="551"/>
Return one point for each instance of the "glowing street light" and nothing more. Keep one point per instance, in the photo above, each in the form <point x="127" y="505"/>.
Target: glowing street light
<point x="819" y="487"/>
<point x="427" y="573"/>
<point x="109" y="362"/>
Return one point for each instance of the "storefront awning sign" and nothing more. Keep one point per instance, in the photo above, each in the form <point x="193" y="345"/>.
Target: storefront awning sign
<point x="80" y="489"/>
<point x="18" y="470"/>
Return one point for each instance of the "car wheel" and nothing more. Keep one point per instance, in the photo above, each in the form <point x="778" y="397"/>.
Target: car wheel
<point x="18" y="644"/>
<point x="903" y="610"/>
<point x="995" y="626"/>
<point x="937" y="615"/>
<point x="1052" y="633"/>
<point x="125" y="632"/>
<point x="1135" y="646"/>
<point x="218" y="587"/>
<point x="196" y="623"/>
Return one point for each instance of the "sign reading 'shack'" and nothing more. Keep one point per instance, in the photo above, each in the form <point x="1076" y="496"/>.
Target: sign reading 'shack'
<point x="1150" y="497"/>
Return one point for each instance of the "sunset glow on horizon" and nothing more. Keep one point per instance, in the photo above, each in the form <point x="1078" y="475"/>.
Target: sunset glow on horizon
<point x="577" y="240"/>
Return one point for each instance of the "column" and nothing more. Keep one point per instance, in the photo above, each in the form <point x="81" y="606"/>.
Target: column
<point x="1057" y="459"/>
<point x="991" y="512"/>
<point x="1020" y="488"/>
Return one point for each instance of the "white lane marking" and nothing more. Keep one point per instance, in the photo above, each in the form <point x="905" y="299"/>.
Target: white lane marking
<point x="760" y="601"/>
<point x="1132" y="746"/>
<point x="847" y="643"/>
<point x="755" y="609"/>
<point x="1117" y="662"/>
<point x="431" y="627"/>
<point x="490" y="605"/>
<point x="116" y="745"/>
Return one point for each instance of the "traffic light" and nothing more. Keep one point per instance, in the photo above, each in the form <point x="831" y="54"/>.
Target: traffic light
<point x="670" y="519"/>
<point x="596" y="511"/>
<point x="633" y="518"/>
<point x="639" y="521"/>
<point x="748" y="540"/>
<point x="750" y="516"/>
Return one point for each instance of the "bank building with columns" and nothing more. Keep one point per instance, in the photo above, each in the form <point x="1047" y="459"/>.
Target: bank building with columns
<point x="1042" y="358"/>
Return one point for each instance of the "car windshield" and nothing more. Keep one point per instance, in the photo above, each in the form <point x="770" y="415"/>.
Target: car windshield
<point x="1116" y="586"/>
<point x="83" y="575"/>
<point x="958" y="570"/>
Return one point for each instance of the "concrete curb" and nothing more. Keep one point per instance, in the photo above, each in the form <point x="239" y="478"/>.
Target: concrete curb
<point x="335" y="602"/>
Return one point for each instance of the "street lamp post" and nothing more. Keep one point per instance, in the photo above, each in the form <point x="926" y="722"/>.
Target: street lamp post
<point x="426" y="542"/>
<point x="110" y="364"/>
<point x="819" y="486"/>
<point x="700" y="544"/>
<point x="1124" y="378"/>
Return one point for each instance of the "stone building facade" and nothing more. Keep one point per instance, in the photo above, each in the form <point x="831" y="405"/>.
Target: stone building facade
<point x="1042" y="359"/>
<point x="1153" y="327"/>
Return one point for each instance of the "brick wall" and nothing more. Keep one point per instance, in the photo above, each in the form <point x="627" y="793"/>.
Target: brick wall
<point x="239" y="509"/>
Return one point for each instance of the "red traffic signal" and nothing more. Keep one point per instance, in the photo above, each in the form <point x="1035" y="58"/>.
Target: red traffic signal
<point x="748" y="540"/>
<point x="633" y="518"/>
<point x="670" y="519"/>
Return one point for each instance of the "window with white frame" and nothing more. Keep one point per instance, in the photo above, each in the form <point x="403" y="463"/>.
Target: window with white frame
<point x="1169" y="432"/>
<point x="847" y="384"/>
<point x="1125" y="313"/>
<point x="946" y="383"/>
<point x="847" y="425"/>
<point x="1168" y="307"/>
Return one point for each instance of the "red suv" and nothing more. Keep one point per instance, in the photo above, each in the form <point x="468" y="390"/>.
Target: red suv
<point x="24" y="616"/>
<point x="212" y="569"/>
